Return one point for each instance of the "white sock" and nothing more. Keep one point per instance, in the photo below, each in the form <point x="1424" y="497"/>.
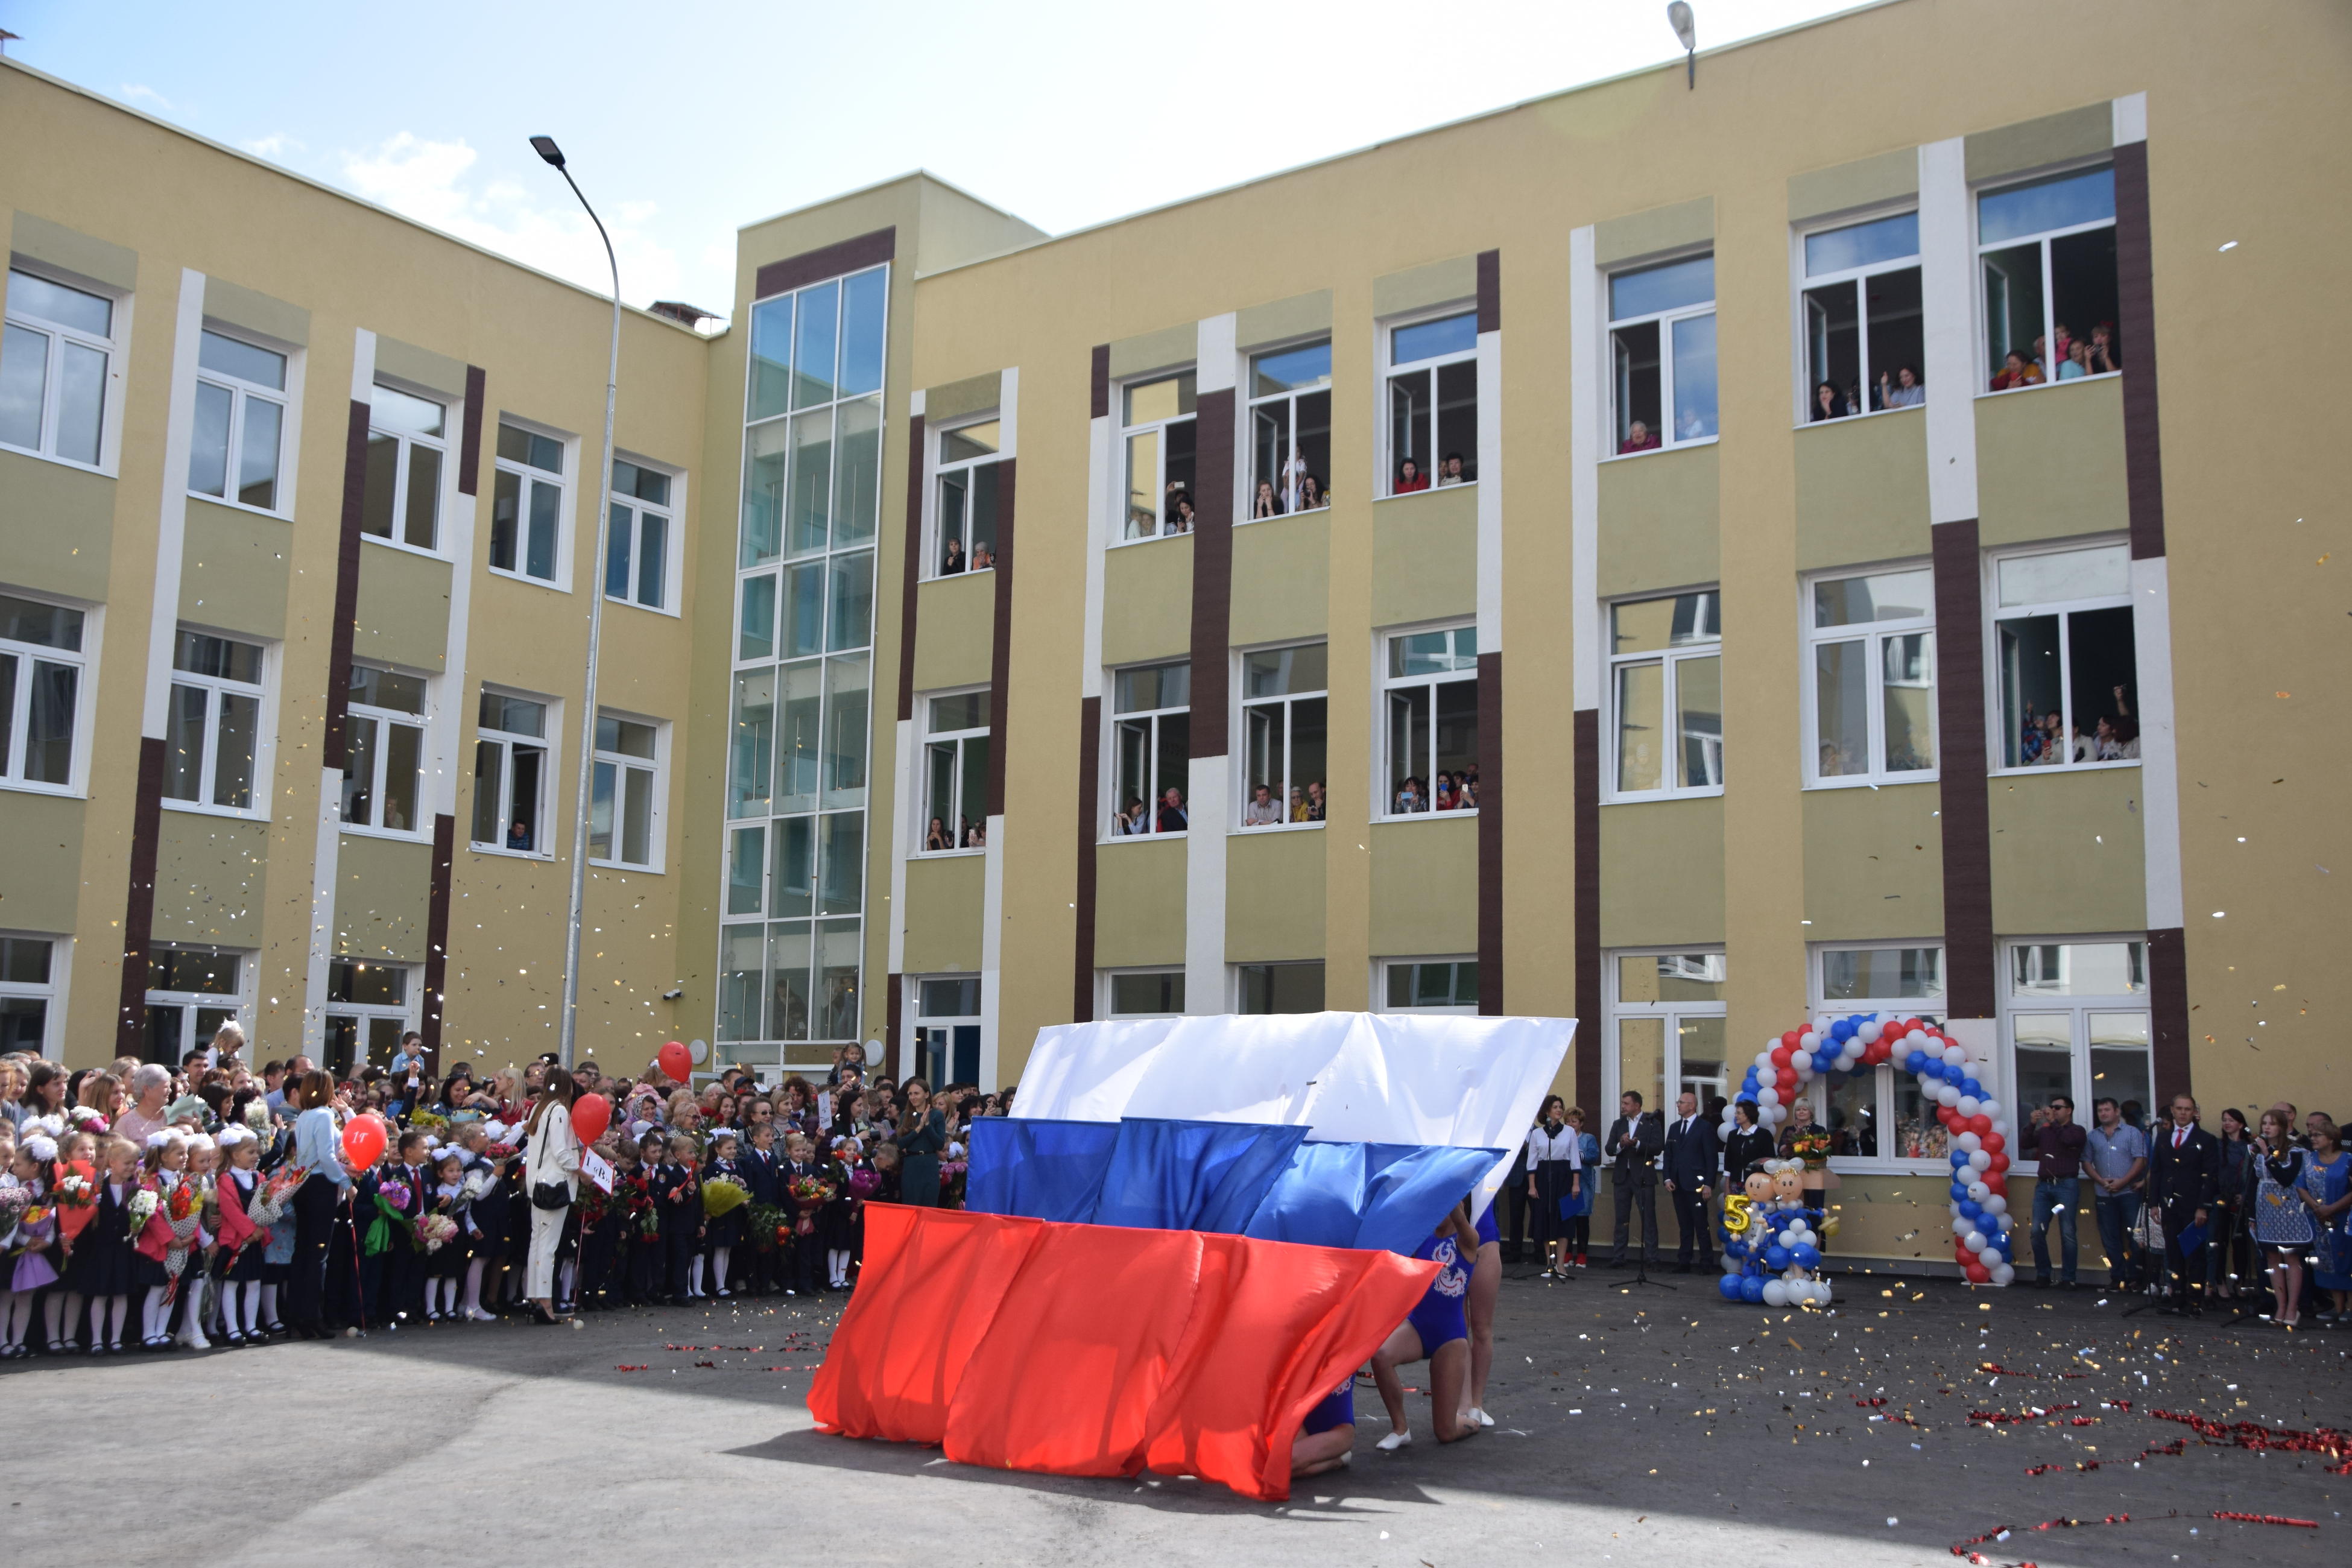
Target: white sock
<point x="254" y="1290"/>
<point x="192" y="1324"/>
<point x="694" y="1276"/>
<point x="474" y="1284"/>
<point x="152" y="1314"/>
<point x="718" y="1267"/>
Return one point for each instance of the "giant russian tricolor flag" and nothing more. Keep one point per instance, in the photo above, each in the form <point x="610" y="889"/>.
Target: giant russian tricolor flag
<point x="1187" y="1234"/>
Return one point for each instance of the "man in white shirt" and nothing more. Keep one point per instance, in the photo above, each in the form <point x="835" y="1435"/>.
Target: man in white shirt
<point x="1263" y="810"/>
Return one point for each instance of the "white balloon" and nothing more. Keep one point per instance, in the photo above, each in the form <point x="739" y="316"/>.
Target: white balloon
<point x="1776" y="1293"/>
<point x="2002" y="1273"/>
<point x="1947" y="1095"/>
<point x="1809" y="1041"/>
<point x="1732" y="1264"/>
<point x="1954" y="1057"/>
<point x="1979" y="1159"/>
<point x="1977" y="1192"/>
<point x="1821" y="1292"/>
<point x="1968" y="1105"/>
<point x="1803" y="1062"/>
<point x="1961" y="1227"/>
<point x="1768" y="1097"/>
<point x="1970" y="1141"/>
<point x="1821" y="1024"/>
<point x="1999" y="1126"/>
<point x="1868" y="1034"/>
<point x="1990" y="1108"/>
<point x="1916" y="1039"/>
<point x="1993" y="1205"/>
<point x="1764" y="1056"/>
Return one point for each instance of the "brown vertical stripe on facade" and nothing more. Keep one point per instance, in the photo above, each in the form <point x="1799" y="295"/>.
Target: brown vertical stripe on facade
<point x="1969" y="980"/>
<point x="1082" y="969"/>
<point x="469" y="443"/>
<point x="2135" y="306"/>
<point x="347" y="586"/>
<point x="1588" y="1033"/>
<point x="139" y="905"/>
<point x="1490" y="306"/>
<point x="1099" y="383"/>
<point x="1490" y="833"/>
<point x="2167" y="1005"/>
<point x="909" y="597"/>
<point x="1213" y="570"/>
<point x="1000" y="650"/>
<point x="895" y="1012"/>
<point x="437" y="935"/>
<point x="830" y="261"/>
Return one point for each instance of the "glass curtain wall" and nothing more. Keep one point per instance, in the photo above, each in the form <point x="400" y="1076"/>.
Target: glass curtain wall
<point x="791" y="953"/>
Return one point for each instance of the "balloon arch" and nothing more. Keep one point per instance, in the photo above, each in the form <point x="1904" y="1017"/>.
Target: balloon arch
<point x="1772" y="1239"/>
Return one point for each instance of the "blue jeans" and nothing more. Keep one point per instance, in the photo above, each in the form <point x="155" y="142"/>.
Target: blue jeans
<point x="2117" y="1213"/>
<point x="2054" y="1194"/>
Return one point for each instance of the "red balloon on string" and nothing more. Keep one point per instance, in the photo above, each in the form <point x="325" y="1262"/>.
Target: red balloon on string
<point x="363" y="1140"/>
<point x="2000" y="1163"/>
<point x="591" y="1114"/>
<point x="1981" y="1124"/>
<point x="1788" y="1041"/>
<point x="1782" y="1055"/>
<point x="675" y="1061"/>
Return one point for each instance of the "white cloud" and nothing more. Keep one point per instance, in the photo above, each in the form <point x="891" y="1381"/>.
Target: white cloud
<point x="434" y="183"/>
<point x="132" y="92"/>
<point x="277" y="147"/>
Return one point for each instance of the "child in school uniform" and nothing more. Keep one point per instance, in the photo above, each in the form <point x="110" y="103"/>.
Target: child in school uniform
<point x="486" y="1214"/>
<point x="192" y="1268"/>
<point x="98" y="1271"/>
<point x="603" y="1281"/>
<point x="238" y="1260"/>
<point x="678" y="1199"/>
<point x="762" y="1174"/>
<point x="444" y="1267"/>
<point x="31" y="1252"/>
<point x="723" y="1234"/>
<point x="641" y="1233"/>
<point x="166" y="1166"/>
<point x="837" y="1221"/>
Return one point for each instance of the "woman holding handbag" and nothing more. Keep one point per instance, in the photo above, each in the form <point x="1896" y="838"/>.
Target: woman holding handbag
<point x="551" y="1179"/>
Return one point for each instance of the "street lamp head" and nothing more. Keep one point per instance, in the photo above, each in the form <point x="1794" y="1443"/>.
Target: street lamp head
<point x="1678" y="16"/>
<point x="546" y="148"/>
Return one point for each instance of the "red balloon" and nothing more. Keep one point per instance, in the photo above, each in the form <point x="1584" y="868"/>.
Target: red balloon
<point x="1788" y="1041"/>
<point x="2000" y="1163"/>
<point x="675" y="1061"/>
<point x="591" y="1114"/>
<point x="1788" y="1080"/>
<point x="1981" y="1124"/>
<point x="1782" y="1055"/>
<point x="1978" y="1274"/>
<point x="365" y="1137"/>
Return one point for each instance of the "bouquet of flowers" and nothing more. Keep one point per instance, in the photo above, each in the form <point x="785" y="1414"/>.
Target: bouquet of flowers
<point x="88" y="1119"/>
<point x="594" y="1207"/>
<point x="951" y="1178"/>
<point x="269" y="1199"/>
<point x="1811" y="1146"/>
<point x="498" y="1150"/>
<point x="862" y="1181"/>
<point x="391" y="1221"/>
<point x="480" y="1181"/>
<point x="809" y="1194"/>
<point x="75" y="1194"/>
<point x="142" y="1208"/>
<point x="436" y="1231"/>
<point x="14" y="1201"/>
<point x="770" y="1226"/>
<point x="635" y="1197"/>
<point x="723" y="1195"/>
<point x="426" y="1121"/>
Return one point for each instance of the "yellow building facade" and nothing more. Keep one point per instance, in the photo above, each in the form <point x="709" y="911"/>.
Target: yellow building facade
<point x="1597" y="558"/>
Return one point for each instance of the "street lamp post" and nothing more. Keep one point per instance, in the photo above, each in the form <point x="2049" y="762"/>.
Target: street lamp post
<point x="570" y="1022"/>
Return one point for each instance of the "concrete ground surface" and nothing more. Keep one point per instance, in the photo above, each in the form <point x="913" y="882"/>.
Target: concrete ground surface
<point x="1635" y="1425"/>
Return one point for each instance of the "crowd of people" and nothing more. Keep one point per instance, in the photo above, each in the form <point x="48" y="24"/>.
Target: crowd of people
<point x="1456" y="791"/>
<point x="2110" y="738"/>
<point x="227" y="1206"/>
<point x="2076" y="357"/>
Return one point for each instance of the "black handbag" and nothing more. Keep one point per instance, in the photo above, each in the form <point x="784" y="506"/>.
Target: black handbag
<point x="549" y="1195"/>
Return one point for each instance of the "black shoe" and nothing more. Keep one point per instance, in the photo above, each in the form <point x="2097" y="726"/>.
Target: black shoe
<point x="1615" y="1263"/>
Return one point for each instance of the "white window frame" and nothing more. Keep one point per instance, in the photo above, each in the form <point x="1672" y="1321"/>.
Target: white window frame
<point x="1982" y="307"/>
<point x="1996" y="707"/>
<point x="526" y="475"/>
<point x="2079" y="1006"/>
<point x="404" y="442"/>
<point x="657" y="814"/>
<point x="1935" y="1009"/>
<point x="1242" y="707"/>
<point x="935" y="524"/>
<point x="672" y="514"/>
<point x="550" y="768"/>
<point x="1666" y="320"/>
<point x="383" y="717"/>
<point x="1856" y="279"/>
<point x="922" y="803"/>
<point x="404" y="1013"/>
<point x="1165" y="525"/>
<point x="1107" y="991"/>
<point x="1383" y="794"/>
<point x="1385" y="969"/>
<point x="83" y="661"/>
<point x="51" y="993"/>
<point x="263" y="692"/>
<point x="110" y="443"/>
<point x="919" y="1022"/>
<point x="1111" y="805"/>
<point x="243" y="394"/>
<point x="1669" y="659"/>
<point x="1618" y="1009"/>
<point x="1285" y="484"/>
<point x="1388" y="371"/>
<point x="1873" y="635"/>
<point x="239" y="1003"/>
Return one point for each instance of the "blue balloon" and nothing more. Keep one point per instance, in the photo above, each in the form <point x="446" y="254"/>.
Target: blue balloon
<point x="1843" y="1029"/>
<point x="1969" y="1210"/>
<point x="1807" y="1256"/>
<point x="1959" y="1158"/>
<point x="1960" y="1191"/>
<point x="1730" y="1285"/>
<point x="1776" y="1258"/>
<point x="1972" y="1088"/>
<point x="1751" y="1287"/>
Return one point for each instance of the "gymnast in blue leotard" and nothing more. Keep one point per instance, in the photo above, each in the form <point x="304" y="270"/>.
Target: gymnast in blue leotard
<point x="1486" y="1284"/>
<point x="1327" y="1434"/>
<point x="1436" y="1329"/>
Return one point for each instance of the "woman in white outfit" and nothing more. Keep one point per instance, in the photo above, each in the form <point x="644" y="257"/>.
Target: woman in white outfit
<point x="550" y="1158"/>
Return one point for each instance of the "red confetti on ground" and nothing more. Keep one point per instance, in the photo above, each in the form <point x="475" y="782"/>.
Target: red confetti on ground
<point x="1995" y="1419"/>
<point x="626" y="1368"/>
<point x="1997" y="1369"/>
<point x="2043" y="1470"/>
<point x="2325" y="1440"/>
<point x="2122" y="1405"/>
<point x="2002" y="1533"/>
<point x="2266" y="1519"/>
<point x="1870" y="1404"/>
<point x="2083" y="1421"/>
<point x="709" y="1364"/>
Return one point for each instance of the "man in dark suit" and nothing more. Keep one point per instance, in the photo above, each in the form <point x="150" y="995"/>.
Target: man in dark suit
<point x="1693" y="1161"/>
<point x="1631" y="1150"/>
<point x="2184" y="1179"/>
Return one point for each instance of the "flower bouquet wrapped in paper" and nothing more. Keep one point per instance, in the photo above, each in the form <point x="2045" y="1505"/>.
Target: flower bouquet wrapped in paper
<point x="809" y="1194"/>
<point x="723" y="1195"/>
<point x="391" y="1222"/>
<point x="269" y="1204"/>
<point x="436" y="1231"/>
<point x="75" y="1193"/>
<point x="142" y="1207"/>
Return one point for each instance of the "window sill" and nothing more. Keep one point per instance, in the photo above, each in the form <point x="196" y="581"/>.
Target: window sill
<point x="1670" y="446"/>
<point x="662" y="610"/>
<point x="1147" y="539"/>
<point x="396" y="834"/>
<point x="1429" y="815"/>
<point x="2047" y="385"/>
<point x="1140" y="837"/>
<point x="1884" y="781"/>
<point x="528" y="580"/>
<point x="245" y="507"/>
<point x="403" y="547"/>
<point x="1247" y="829"/>
<point x="1874" y="1165"/>
<point x="63" y="792"/>
<point x="1308" y="511"/>
<point x="503" y="853"/>
<point x="965" y="853"/>
<point x="1645" y="796"/>
<point x="1430" y="490"/>
<point x="2045" y="769"/>
<point x="1847" y="419"/>
<point x="989" y="571"/>
<point x="198" y="808"/>
<point x="101" y="469"/>
<point x="623" y="866"/>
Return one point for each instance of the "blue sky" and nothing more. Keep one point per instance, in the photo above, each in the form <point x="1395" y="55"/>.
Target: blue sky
<point x="1066" y="112"/>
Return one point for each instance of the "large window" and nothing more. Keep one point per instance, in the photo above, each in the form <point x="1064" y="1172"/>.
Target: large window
<point x="1859" y="1109"/>
<point x="2047" y="249"/>
<point x="512" y="774"/>
<point x="1667" y="680"/>
<point x="40" y="692"/>
<point x="625" y="797"/>
<point x="792" y="983"/>
<point x="955" y="773"/>
<point x="1429" y="985"/>
<point x="54" y="352"/>
<point x="2075" y="1014"/>
<point x="2068" y="669"/>
<point x="1286" y="727"/>
<point x="1872" y="698"/>
<point x="1429" y="688"/>
<point x="384" y="751"/>
<point x="1143" y="992"/>
<point x="1666" y="1013"/>
<point x="368" y="1011"/>
<point x="1662" y="353"/>
<point x="1261" y="988"/>
<point x="407" y="449"/>
<point x="1152" y="750"/>
<point x="1290" y="430"/>
<point x="1158" y="428"/>
<point x="947" y="1029"/>
<point x="638" y="552"/>
<point x="965" y="526"/>
<point x="1432" y="424"/>
<point x="1863" y="323"/>
<point x="213" y="732"/>
<point x="190" y="992"/>
<point x="30" y="970"/>
<point x="241" y="413"/>
<point x="527" y="504"/>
